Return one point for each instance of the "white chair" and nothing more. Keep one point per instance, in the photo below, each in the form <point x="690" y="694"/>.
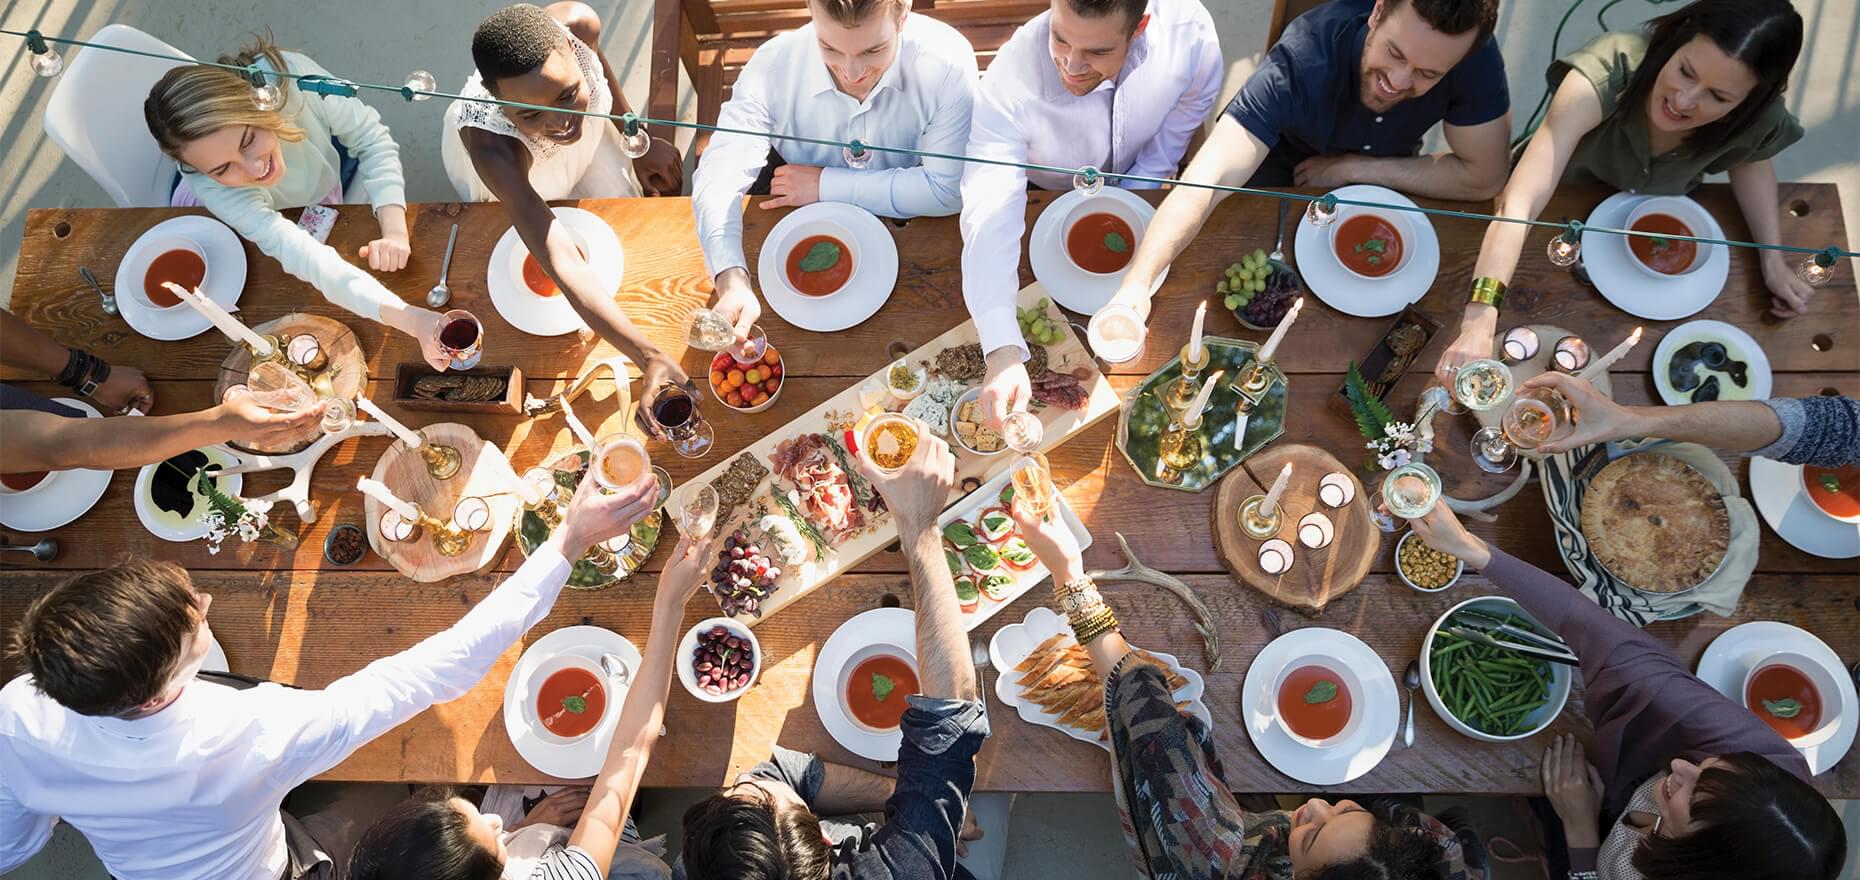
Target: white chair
<point x="95" y="116"/>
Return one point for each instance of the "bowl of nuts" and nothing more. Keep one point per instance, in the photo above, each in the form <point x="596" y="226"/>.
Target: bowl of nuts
<point x="718" y="660"/>
<point x="1424" y="568"/>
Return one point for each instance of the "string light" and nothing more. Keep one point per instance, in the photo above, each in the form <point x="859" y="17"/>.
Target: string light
<point x="1322" y="212"/>
<point x="1566" y="248"/>
<point x="45" y="62"/>
<point x="419" y="86"/>
<point x="266" y="95"/>
<point x="634" y="141"/>
<point x="857" y="157"/>
<point x="1818" y="269"/>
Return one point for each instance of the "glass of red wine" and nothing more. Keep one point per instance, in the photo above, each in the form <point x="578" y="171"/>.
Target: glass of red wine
<point x="675" y="412"/>
<point x="462" y="337"/>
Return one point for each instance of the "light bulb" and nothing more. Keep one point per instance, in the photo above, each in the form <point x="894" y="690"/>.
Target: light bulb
<point x="1322" y="212"/>
<point x="634" y="141"/>
<point x="857" y="156"/>
<point x="1814" y="272"/>
<point x="1563" y="252"/>
<point x="1088" y="181"/>
<point x="47" y="63"/>
<point x="419" y="82"/>
<point x="267" y="97"/>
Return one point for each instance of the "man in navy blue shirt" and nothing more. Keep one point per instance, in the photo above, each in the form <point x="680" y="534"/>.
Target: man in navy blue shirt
<point x="1345" y="97"/>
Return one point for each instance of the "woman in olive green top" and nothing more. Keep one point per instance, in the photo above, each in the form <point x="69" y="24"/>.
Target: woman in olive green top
<point x="1699" y="92"/>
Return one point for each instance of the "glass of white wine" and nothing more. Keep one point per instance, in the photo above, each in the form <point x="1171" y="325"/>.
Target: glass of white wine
<point x="1411" y="491"/>
<point x="698" y="512"/>
<point x="1033" y="476"/>
<point x="1536" y="416"/>
<point x="1482" y="384"/>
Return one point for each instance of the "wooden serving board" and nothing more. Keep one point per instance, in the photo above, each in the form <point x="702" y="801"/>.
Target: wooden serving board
<point x="1317" y="576"/>
<point x="347" y="371"/>
<point x="483" y="471"/>
<point x="880" y="531"/>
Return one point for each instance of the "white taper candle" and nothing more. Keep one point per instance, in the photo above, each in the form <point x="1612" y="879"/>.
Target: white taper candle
<point x="378" y="491"/>
<point x="406" y="436"/>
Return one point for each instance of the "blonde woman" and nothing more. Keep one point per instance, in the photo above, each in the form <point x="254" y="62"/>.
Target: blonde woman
<point x="245" y="164"/>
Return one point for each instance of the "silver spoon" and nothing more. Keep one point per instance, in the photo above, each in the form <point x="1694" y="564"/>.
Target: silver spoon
<point x="1278" y="248"/>
<point x="109" y="302"/>
<point x="44" y="551"/>
<point x="441" y="294"/>
<point x="1410" y="680"/>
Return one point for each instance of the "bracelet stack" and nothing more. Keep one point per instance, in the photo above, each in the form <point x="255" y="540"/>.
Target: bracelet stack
<point x="1488" y="290"/>
<point x="1084" y="609"/>
<point x="83" y="372"/>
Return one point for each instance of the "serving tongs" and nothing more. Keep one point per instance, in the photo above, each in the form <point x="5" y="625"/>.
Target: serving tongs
<point x="1489" y="624"/>
<point x="1473" y="634"/>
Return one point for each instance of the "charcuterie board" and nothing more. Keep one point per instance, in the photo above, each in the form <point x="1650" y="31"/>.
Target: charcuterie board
<point x="802" y="480"/>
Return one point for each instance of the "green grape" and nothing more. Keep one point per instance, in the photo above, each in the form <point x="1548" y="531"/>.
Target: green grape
<point x="1233" y="301"/>
<point x="1259" y="255"/>
<point x="1221" y="288"/>
<point x="1044" y="302"/>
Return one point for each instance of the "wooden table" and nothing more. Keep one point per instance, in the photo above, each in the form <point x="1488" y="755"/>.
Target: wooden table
<point x="286" y="616"/>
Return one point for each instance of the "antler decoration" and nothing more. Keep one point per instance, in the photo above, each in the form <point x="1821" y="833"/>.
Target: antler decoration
<point x="1135" y="570"/>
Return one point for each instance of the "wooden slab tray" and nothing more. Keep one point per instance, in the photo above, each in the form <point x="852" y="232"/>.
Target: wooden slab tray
<point x="483" y="471"/>
<point x="1063" y="356"/>
<point x="347" y="370"/>
<point x="1317" y="576"/>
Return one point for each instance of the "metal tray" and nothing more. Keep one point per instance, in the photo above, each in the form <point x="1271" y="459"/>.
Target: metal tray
<point x="1143" y="418"/>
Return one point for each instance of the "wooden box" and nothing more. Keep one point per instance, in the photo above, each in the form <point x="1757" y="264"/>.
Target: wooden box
<point x="1394" y="354"/>
<point x="511" y="403"/>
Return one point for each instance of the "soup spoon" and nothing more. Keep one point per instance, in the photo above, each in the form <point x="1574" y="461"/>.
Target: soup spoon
<point x="441" y="294"/>
<point x="44" y="551"/>
<point x="109" y="302"/>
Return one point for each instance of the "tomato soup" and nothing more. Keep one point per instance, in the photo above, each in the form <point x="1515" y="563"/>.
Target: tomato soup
<point x="23" y="481"/>
<point x="1100" y="243"/>
<point x="1835" y="490"/>
<point x="182" y="267"/>
<point x="819" y="265"/>
<point x="876" y="690"/>
<point x="1369" y="245"/>
<point x="1662" y="254"/>
<point x="571" y="702"/>
<point x="539" y="281"/>
<point x="1311" y="709"/>
<point x="1785" y="699"/>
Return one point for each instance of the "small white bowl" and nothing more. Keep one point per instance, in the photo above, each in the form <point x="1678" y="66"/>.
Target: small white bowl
<point x="687" y="667"/>
<point x="522" y="252"/>
<point x="1352" y="683"/>
<point x="1402" y="573"/>
<point x="1825" y="686"/>
<point x="554" y="665"/>
<point x="1100" y="204"/>
<point x="1403" y="226"/>
<point x="44" y="481"/>
<point x="849" y="242"/>
<point x="1801" y="474"/>
<point x="1688" y="212"/>
<point x="876" y="649"/>
<point x="1561" y="677"/>
<point x="158" y="246"/>
<point x="971" y="394"/>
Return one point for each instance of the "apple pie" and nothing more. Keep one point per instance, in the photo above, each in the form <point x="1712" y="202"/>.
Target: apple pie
<point x="1656" y="523"/>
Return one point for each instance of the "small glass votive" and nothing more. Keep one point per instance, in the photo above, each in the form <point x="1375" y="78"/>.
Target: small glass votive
<point x="1275" y="556"/>
<point x="397" y="528"/>
<point x="1316" y="531"/>
<point x="1520" y="345"/>
<point x="305" y="351"/>
<point x="1571" y="354"/>
<point x="472" y="514"/>
<point x="1336" y="489"/>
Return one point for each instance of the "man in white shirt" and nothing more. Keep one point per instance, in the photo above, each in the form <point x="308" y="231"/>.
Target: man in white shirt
<point x="169" y="777"/>
<point x="865" y="70"/>
<point x="1116" y="85"/>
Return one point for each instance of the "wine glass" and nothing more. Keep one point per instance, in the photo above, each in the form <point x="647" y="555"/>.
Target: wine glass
<point x="751" y="351"/>
<point x="1033" y="475"/>
<point x="620" y="460"/>
<point x="1536" y="416"/>
<point x="277" y="387"/>
<point x="1411" y="491"/>
<point x="338" y="415"/>
<point x="675" y="412"/>
<point x="709" y="330"/>
<point x="698" y="513"/>
<point x="1482" y="384"/>
<point x="462" y="337"/>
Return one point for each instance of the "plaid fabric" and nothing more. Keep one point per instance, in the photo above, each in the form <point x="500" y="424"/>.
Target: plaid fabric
<point x="1179" y="819"/>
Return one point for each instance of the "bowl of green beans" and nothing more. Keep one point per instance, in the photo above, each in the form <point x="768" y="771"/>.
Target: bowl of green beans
<point x="1491" y="694"/>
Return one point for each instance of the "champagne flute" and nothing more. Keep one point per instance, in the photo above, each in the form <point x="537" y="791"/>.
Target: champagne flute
<point x="1033" y="475"/>
<point x="698" y="513"/>
<point x="1536" y="416"/>
<point x="276" y="387"/>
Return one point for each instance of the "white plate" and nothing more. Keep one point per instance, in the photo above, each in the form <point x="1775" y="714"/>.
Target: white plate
<point x="875" y="267"/>
<point x="167" y="526"/>
<point x="583" y="757"/>
<point x="989" y="495"/>
<point x="895" y="626"/>
<point x="1777" y="490"/>
<point x="1731" y="656"/>
<point x="225" y="281"/>
<point x="1611" y="268"/>
<point x="1012" y="644"/>
<point x="551" y="315"/>
<point x="1346" y="760"/>
<point x="1068" y="285"/>
<point x="1350" y="293"/>
<point x="61" y="497"/>
<point x="1739" y="346"/>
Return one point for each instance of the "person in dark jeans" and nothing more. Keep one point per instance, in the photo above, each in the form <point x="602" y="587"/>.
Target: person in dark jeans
<point x="767" y="824"/>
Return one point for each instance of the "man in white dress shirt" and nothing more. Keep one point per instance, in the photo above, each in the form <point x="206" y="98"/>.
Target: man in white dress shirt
<point x="865" y="70"/>
<point x="1117" y="85"/>
<point x="169" y="777"/>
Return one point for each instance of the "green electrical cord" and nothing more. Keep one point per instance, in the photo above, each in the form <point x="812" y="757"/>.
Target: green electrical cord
<point x="329" y="85"/>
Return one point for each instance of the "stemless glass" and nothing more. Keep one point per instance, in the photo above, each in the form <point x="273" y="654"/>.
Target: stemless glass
<point x="1536" y="416"/>
<point x="462" y="337"/>
<point x="1116" y="334"/>
<point x="620" y="460"/>
<point x="675" y="412"/>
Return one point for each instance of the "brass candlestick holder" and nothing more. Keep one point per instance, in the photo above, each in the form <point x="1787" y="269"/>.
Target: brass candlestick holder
<point x="1179" y="448"/>
<point x="1181" y="392"/>
<point x="448" y="538"/>
<point x="1258" y="523"/>
<point x="442" y="461"/>
<point x="1254" y="379"/>
<point x="277" y="350"/>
